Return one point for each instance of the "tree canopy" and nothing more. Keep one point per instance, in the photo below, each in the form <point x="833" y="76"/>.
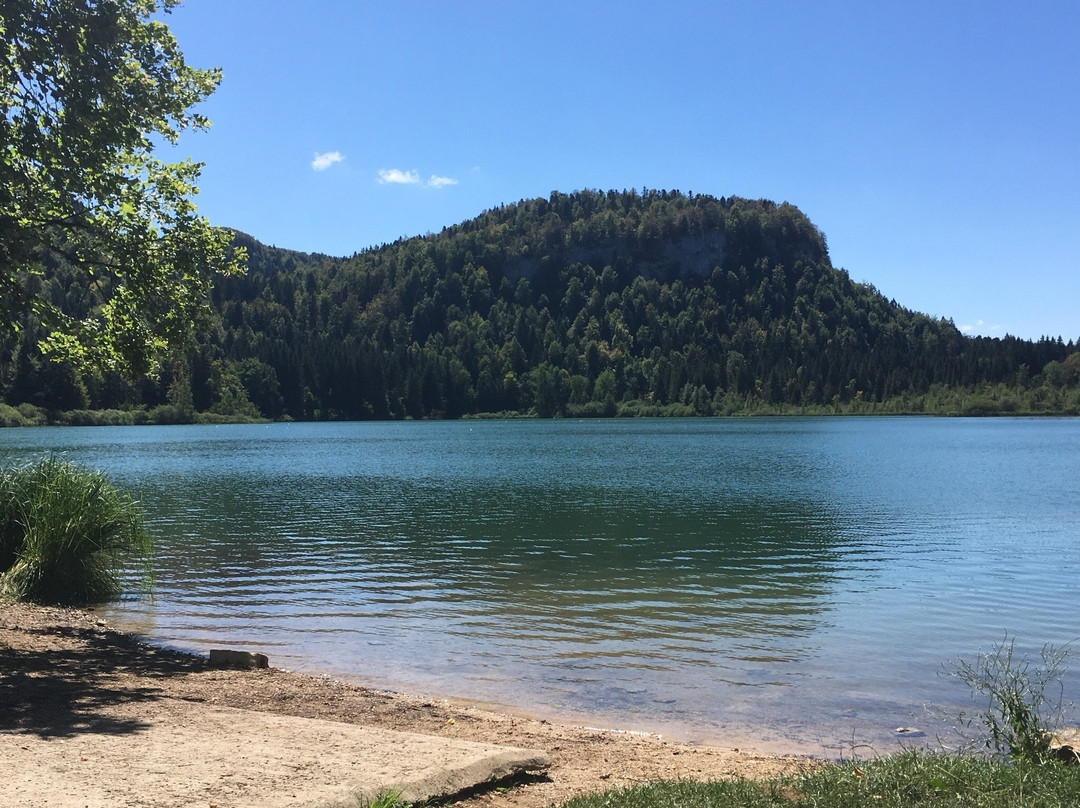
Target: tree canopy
<point x="582" y="304"/>
<point x="88" y="89"/>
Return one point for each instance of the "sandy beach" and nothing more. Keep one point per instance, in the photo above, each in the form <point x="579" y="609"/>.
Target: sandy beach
<point x="64" y="672"/>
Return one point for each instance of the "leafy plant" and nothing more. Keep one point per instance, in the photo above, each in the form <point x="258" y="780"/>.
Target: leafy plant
<point x="66" y="533"/>
<point x="1024" y="700"/>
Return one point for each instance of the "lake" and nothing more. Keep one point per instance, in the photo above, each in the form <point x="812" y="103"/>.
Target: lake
<point x="796" y="584"/>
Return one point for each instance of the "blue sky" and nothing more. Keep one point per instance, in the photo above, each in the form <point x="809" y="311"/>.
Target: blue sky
<point x="937" y="144"/>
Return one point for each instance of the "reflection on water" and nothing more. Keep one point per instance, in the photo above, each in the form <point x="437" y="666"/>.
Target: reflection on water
<point x="800" y="580"/>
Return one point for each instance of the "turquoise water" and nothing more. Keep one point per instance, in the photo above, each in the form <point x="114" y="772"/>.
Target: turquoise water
<point x="792" y="583"/>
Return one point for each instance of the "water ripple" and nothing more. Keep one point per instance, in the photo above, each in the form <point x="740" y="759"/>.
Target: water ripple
<point x="703" y="574"/>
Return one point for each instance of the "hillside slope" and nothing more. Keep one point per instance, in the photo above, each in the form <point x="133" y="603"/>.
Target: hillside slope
<point x="588" y="303"/>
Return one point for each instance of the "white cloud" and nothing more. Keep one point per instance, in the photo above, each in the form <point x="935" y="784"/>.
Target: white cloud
<point x="326" y="159"/>
<point x="396" y="176"/>
<point x="399" y="177"/>
<point x="979" y="326"/>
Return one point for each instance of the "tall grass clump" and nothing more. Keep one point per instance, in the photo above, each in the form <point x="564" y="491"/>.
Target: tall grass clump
<point x="1023" y="700"/>
<point x="67" y="534"/>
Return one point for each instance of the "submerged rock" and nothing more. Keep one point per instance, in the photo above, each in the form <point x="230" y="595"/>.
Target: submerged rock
<point x="244" y="660"/>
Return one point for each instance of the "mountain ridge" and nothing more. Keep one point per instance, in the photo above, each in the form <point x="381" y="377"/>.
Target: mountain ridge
<point x="588" y="303"/>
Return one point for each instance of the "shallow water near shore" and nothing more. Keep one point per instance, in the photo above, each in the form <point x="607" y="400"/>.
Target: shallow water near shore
<point x="796" y="582"/>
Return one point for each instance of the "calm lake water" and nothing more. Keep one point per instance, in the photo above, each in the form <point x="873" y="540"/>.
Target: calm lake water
<point x="794" y="583"/>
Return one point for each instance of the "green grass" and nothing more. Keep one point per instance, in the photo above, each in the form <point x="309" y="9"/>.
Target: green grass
<point x="906" y="780"/>
<point x="66" y="534"/>
<point x="385" y="799"/>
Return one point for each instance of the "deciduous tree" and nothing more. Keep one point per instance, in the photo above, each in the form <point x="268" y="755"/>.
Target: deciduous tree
<point x="88" y="90"/>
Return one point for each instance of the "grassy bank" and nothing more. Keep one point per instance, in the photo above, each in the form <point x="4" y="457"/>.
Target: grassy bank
<point x="906" y="780"/>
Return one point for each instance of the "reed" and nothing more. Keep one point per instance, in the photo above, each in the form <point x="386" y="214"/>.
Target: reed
<point x="67" y="535"/>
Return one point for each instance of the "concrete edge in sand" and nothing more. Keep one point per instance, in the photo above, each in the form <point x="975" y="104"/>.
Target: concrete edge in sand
<point x="490" y="766"/>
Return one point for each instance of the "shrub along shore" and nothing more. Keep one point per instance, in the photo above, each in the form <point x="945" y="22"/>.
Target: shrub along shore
<point x="984" y="402"/>
<point x="66" y="534"/>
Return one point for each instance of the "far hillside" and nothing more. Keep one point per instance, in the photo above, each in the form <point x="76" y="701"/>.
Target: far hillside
<point x="582" y="304"/>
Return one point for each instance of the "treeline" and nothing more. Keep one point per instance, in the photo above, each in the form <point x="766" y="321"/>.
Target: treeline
<point x="581" y="304"/>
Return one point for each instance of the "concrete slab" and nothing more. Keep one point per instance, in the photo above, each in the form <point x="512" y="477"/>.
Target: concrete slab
<point x="167" y="752"/>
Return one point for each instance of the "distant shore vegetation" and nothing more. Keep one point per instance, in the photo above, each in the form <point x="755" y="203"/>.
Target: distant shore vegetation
<point x="590" y="304"/>
<point x="998" y="400"/>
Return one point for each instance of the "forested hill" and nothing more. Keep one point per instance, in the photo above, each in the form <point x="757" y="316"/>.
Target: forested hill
<point x="584" y="304"/>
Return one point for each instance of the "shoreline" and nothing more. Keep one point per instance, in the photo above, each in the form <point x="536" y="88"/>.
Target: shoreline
<point x="66" y="665"/>
<point x="738" y="736"/>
